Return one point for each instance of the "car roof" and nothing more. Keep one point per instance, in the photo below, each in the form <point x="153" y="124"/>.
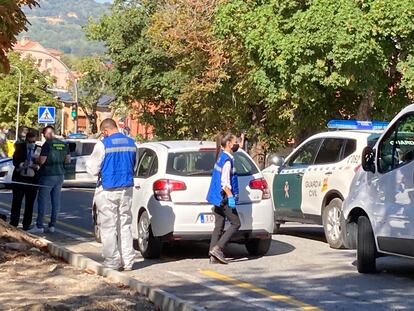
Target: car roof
<point x="173" y="145"/>
<point x="345" y="134"/>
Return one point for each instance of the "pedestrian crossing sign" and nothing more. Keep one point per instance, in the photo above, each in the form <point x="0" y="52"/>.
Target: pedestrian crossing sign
<point x="46" y="115"/>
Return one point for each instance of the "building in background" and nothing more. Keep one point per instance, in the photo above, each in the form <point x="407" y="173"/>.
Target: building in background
<point x="48" y="60"/>
<point x="45" y="60"/>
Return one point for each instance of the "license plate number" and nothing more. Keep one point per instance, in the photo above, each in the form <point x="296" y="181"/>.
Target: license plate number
<point x="207" y="218"/>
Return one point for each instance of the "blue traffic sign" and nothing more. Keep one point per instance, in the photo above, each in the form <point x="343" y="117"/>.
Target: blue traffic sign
<point x="46" y="115"/>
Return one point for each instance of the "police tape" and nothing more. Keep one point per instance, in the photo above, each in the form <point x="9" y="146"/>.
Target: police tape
<point x="29" y="184"/>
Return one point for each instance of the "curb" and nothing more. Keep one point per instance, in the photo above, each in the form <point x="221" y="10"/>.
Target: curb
<point x="160" y="298"/>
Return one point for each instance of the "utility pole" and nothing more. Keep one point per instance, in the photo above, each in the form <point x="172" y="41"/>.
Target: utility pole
<point x="18" y="100"/>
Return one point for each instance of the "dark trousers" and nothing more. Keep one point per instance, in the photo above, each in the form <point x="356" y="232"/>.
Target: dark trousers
<point x="219" y="237"/>
<point x="20" y="191"/>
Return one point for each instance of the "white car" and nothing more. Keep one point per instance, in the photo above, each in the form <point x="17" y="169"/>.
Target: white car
<point x="378" y="214"/>
<point x="6" y="172"/>
<point x="311" y="184"/>
<point x="169" y="200"/>
<point x="80" y="150"/>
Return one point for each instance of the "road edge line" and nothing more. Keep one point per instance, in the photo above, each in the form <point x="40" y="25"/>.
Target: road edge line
<point x="161" y="299"/>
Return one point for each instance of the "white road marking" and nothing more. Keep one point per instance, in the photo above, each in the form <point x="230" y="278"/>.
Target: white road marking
<point x="231" y="291"/>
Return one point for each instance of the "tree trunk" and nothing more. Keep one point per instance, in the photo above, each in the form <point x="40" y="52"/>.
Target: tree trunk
<point x="9" y="231"/>
<point x="366" y="105"/>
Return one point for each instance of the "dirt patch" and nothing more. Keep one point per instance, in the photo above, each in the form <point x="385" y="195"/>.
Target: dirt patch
<point x="32" y="280"/>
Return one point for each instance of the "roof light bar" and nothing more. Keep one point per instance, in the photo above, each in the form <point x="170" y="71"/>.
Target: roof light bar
<point x="357" y="125"/>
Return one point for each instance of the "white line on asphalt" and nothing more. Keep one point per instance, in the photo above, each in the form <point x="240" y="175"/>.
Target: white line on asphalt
<point x="229" y="290"/>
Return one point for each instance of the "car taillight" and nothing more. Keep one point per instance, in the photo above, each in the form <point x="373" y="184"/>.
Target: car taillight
<point x="261" y="184"/>
<point x="163" y="188"/>
<point x="356" y="169"/>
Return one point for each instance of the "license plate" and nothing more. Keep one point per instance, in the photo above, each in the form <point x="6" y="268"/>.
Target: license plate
<point x="206" y="218"/>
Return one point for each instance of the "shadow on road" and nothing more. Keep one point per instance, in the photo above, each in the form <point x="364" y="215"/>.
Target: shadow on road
<point x="314" y="233"/>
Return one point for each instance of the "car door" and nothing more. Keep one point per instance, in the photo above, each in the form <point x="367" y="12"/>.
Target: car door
<point x="287" y="186"/>
<point x="393" y="184"/>
<point x="319" y="177"/>
<point x="84" y="153"/>
<point x="146" y="170"/>
<point x="147" y="167"/>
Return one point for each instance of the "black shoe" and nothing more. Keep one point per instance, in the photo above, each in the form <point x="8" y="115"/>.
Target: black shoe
<point x="218" y="254"/>
<point x="213" y="261"/>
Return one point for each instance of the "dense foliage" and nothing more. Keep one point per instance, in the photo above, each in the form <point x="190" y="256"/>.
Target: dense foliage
<point x="12" y="22"/>
<point x="278" y="68"/>
<point x="58" y="24"/>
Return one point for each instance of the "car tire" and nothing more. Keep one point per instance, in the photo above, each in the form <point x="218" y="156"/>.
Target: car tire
<point x="258" y="247"/>
<point x="149" y="246"/>
<point x="276" y="229"/>
<point x="366" y="248"/>
<point x="331" y="219"/>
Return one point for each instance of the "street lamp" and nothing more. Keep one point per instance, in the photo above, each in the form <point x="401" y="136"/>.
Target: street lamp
<point x="18" y="100"/>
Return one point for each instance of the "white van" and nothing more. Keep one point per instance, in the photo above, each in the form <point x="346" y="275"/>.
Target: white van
<point x="378" y="214"/>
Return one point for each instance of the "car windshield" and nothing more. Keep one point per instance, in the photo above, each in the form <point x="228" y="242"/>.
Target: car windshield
<point x="201" y="163"/>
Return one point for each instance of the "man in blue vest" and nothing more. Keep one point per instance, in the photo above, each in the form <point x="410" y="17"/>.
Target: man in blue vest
<point x="113" y="160"/>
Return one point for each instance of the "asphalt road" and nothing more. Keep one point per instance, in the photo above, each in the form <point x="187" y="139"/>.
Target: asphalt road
<point x="299" y="272"/>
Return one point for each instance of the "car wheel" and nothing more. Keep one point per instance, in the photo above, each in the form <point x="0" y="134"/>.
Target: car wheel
<point x="331" y="219"/>
<point x="258" y="247"/>
<point x="366" y="248"/>
<point x="148" y="245"/>
<point x="276" y="229"/>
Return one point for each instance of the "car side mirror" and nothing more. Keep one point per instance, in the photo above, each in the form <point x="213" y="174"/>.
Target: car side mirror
<point x="368" y="159"/>
<point x="276" y="160"/>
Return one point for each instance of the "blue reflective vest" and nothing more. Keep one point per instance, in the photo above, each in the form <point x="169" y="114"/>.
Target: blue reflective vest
<point x="119" y="162"/>
<point x="214" y="195"/>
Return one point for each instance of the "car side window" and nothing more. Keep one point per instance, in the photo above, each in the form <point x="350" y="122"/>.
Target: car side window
<point x="306" y="154"/>
<point x="330" y="151"/>
<point x="146" y="159"/>
<point x="350" y="148"/>
<point x="397" y="147"/>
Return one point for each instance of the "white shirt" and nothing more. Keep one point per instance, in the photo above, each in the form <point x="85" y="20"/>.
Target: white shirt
<point x="94" y="164"/>
<point x="226" y="173"/>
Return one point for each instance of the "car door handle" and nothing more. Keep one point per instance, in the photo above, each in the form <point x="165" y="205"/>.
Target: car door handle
<point x="328" y="173"/>
<point x="137" y="187"/>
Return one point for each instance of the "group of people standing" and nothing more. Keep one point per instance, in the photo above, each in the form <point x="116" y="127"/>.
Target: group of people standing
<point x="38" y="173"/>
<point x="113" y="161"/>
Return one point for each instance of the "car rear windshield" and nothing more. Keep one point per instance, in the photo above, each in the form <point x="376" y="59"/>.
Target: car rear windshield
<point x="201" y="163"/>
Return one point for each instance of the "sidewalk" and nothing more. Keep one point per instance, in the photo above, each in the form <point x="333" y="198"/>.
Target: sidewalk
<point x="31" y="280"/>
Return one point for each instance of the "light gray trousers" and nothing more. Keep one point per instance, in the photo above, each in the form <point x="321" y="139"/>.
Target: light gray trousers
<point x="114" y="221"/>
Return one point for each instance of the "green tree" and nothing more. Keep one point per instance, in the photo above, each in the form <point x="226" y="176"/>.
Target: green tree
<point x="33" y="93"/>
<point x="93" y="84"/>
<point x="12" y="22"/>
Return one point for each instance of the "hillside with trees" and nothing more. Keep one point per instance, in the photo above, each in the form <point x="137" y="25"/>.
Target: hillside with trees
<point x="58" y="24"/>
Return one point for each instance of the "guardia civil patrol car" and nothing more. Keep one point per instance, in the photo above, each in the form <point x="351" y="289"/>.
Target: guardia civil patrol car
<point x="311" y="184"/>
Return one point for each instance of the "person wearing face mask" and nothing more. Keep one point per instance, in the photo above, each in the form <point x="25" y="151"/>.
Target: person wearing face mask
<point x="25" y="173"/>
<point x="53" y="156"/>
<point x="223" y="194"/>
<point x="113" y="160"/>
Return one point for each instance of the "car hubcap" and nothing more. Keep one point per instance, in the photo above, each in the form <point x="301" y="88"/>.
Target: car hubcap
<point x="143" y="232"/>
<point x="334" y="223"/>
